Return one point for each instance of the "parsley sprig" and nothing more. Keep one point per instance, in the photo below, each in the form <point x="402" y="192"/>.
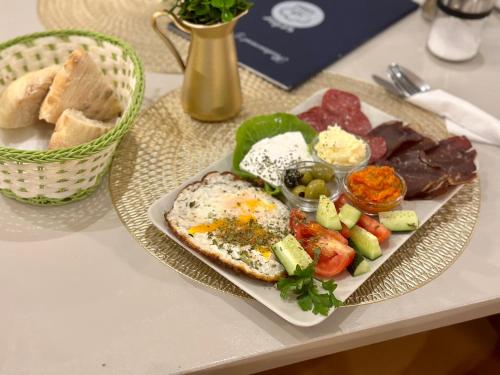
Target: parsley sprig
<point x="305" y="289"/>
<point x="209" y="12"/>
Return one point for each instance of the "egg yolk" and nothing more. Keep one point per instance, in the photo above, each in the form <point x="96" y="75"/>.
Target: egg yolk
<point x="205" y="228"/>
<point x="265" y="251"/>
<point x="253" y="205"/>
<point x="245" y="205"/>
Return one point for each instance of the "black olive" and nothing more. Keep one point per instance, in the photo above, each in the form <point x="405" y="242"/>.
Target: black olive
<point x="292" y="177"/>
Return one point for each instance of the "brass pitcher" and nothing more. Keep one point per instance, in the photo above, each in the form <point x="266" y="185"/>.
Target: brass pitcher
<point x="211" y="89"/>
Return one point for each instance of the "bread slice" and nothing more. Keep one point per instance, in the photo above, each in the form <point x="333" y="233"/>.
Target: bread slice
<point x="20" y="101"/>
<point x="82" y="86"/>
<point x="206" y="202"/>
<point x="73" y="129"/>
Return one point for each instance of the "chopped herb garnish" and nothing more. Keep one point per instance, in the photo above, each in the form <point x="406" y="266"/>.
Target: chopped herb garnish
<point x="305" y="289"/>
<point x="234" y="231"/>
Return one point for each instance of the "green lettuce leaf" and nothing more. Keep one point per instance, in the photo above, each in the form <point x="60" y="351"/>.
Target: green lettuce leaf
<point x="260" y="127"/>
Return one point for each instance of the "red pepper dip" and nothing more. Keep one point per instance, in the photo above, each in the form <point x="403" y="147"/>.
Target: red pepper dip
<point x="377" y="184"/>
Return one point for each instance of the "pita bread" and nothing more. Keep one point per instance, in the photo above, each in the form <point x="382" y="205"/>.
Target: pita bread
<point x="20" y="101"/>
<point x="73" y="129"/>
<point x="82" y="86"/>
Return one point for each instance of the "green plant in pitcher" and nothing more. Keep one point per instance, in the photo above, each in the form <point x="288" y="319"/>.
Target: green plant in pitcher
<point x="209" y="12"/>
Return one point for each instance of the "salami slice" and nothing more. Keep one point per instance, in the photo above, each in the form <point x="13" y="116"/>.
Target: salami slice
<point x="356" y="122"/>
<point x="316" y="117"/>
<point x="334" y="119"/>
<point x="337" y="101"/>
<point x="378" y="147"/>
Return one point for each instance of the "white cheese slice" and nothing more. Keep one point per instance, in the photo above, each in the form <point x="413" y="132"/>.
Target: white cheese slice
<point x="270" y="156"/>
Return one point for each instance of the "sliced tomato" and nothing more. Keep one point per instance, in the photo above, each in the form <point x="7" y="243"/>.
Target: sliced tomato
<point x="341" y="200"/>
<point x="345" y="231"/>
<point x="302" y="228"/>
<point x="329" y="267"/>
<point x="374" y="227"/>
<point x="317" y="230"/>
<point x="335" y="255"/>
<point x="366" y="222"/>
<point x="296" y="217"/>
<point x="297" y="222"/>
<point x="330" y="249"/>
<point x="340" y="237"/>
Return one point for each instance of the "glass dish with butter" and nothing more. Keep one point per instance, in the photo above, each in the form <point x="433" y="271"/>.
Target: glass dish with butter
<point x="340" y="149"/>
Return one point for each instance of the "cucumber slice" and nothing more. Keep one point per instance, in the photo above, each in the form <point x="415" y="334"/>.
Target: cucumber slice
<point x="399" y="221"/>
<point x="359" y="265"/>
<point x="326" y="214"/>
<point x="365" y="242"/>
<point x="349" y="215"/>
<point x="291" y="254"/>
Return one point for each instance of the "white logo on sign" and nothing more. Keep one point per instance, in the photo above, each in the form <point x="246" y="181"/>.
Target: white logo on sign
<point x="298" y="14"/>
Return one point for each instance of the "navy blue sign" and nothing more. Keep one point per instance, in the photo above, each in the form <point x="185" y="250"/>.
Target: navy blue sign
<point x="288" y="42"/>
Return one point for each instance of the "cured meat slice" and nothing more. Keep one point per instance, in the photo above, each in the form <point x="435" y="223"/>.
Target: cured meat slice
<point x="454" y="155"/>
<point x="422" y="180"/>
<point x="316" y="117"/>
<point x="423" y="145"/>
<point x="337" y="101"/>
<point x="345" y="110"/>
<point x="356" y="122"/>
<point x="396" y="135"/>
<point x="459" y="143"/>
<point x="378" y="147"/>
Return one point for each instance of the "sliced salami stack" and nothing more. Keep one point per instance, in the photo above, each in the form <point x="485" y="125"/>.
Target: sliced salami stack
<point x="344" y="109"/>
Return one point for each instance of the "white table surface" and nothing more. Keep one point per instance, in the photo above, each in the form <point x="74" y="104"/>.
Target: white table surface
<point x="80" y="296"/>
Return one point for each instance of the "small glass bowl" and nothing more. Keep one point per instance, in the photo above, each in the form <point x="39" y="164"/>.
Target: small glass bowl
<point x="370" y="207"/>
<point x="340" y="169"/>
<point x="305" y="204"/>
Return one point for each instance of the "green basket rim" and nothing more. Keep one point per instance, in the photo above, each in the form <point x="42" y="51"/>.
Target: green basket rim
<point x="90" y="148"/>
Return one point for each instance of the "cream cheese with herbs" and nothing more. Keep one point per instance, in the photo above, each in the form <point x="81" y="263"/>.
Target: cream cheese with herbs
<point x="270" y="156"/>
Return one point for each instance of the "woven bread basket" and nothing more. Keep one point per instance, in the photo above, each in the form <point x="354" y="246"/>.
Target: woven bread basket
<point x="61" y="176"/>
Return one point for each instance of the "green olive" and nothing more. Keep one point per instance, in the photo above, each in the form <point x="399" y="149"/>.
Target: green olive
<point x="299" y="190"/>
<point x="322" y="172"/>
<point x="307" y="177"/>
<point x="315" y="188"/>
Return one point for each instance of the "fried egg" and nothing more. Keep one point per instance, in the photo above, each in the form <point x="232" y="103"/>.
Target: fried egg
<point x="233" y="221"/>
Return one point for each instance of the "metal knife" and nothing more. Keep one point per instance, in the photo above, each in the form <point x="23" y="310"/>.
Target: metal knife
<point x="389" y="86"/>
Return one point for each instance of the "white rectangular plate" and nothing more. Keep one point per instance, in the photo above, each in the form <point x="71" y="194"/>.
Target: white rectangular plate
<point x="266" y="293"/>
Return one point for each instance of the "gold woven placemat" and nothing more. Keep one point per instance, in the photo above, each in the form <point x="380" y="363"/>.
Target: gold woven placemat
<point x="166" y="147"/>
<point x="126" y="19"/>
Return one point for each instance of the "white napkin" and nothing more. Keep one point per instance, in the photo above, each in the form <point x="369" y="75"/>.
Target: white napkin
<point x="34" y="138"/>
<point x="461" y="117"/>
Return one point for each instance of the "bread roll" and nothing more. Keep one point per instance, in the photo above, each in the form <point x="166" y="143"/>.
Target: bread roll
<point x="73" y="128"/>
<point x="20" y="101"/>
<point x="80" y="85"/>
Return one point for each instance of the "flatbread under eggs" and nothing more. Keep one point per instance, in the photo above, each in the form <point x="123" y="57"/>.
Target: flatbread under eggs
<point x="231" y="220"/>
